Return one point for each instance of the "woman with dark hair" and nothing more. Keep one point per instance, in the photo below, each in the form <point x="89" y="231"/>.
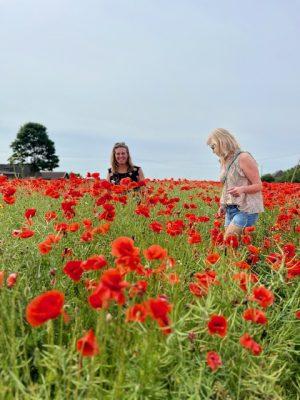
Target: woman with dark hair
<point x="122" y="165"/>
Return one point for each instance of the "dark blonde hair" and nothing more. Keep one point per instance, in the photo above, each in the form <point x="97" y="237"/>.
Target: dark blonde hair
<point x="226" y="142"/>
<point x="113" y="161"/>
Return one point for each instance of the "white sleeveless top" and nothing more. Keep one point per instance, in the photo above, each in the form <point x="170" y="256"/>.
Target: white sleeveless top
<point x="247" y="202"/>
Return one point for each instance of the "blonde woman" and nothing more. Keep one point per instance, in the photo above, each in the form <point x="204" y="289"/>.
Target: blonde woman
<point x="122" y="166"/>
<point x="241" y="200"/>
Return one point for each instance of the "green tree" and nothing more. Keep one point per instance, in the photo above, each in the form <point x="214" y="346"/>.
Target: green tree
<point x="33" y="146"/>
<point x="268" y="178"/>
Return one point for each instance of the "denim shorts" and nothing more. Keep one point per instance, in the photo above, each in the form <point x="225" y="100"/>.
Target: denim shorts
<point x="239" y="218"/>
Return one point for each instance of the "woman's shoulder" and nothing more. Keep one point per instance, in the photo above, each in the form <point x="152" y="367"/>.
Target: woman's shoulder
<point x="109" y="170"/>
<point x="246" y="158"/>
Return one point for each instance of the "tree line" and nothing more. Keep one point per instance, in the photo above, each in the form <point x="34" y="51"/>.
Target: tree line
<point x="34" y="147"/>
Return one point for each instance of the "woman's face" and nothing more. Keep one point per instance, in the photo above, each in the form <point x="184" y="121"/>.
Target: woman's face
<point x="121" y="155"/>
<point x="215" y="147"/>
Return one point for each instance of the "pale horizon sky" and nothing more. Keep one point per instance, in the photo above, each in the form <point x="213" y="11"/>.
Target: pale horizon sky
<point x="159" y="75"/>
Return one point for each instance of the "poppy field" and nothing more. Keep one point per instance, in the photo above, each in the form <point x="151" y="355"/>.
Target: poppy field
<point x="127" y="292"/>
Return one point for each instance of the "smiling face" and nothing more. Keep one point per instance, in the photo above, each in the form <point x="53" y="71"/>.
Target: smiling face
<point x="121" y="155"/>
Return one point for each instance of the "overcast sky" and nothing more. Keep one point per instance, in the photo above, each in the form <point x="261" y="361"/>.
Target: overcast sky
<point x="157" y="74"/>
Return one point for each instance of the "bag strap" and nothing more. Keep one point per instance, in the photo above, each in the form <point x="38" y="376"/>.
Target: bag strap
<point x="229" y="166"/>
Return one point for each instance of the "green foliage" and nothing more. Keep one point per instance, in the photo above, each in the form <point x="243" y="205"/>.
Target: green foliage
<point x="268" y="178"/>
<point x="137" y="361"/>
<point x="290" y="175"/>
<point x="33" y="146"/>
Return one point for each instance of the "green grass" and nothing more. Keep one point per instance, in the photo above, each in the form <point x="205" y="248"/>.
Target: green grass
<point x="137" y="361"/>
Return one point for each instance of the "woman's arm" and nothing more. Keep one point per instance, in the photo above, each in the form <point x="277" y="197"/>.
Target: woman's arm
<point x="141" y="175"/>
<point x="250" y="169"/>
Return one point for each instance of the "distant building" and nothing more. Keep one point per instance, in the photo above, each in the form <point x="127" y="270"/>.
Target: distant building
<point x="25" y="171"/>
<point x="53" y="175"/>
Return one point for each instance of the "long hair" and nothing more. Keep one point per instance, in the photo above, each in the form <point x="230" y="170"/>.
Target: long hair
<point x="226" y="142"/>
<point x="113" y="161"/>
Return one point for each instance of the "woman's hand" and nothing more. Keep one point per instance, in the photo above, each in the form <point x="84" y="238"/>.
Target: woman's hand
<point x="236" y="191"/>
<point x="221" y="211"/>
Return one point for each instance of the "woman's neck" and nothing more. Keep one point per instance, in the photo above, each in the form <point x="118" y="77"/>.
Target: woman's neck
<point x="122" y="169"/>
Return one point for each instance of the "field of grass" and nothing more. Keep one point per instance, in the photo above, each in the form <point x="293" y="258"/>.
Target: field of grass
<point x="112" y="293"/>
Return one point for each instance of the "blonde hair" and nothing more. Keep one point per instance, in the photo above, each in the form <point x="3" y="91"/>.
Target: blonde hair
<point x="226" y="142"/>
<point x="113" y="161"/>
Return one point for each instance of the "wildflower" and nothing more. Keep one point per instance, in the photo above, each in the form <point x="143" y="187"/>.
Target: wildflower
<point x="262" y="296"/>
<point x="136" y="313"/>
<point x="254" y="315"/>
<point x="156" y="227"/>
<point x="217" y="325"/>
<point x="158" y="310"/>
<point x="74" y="270"/>
<point x="212" y="258"/>
<point x="88" y="345"/>
<point x="232" y="241"/>
<point x="138" y="289"/>
<point x="11" y="279"/>
<point x="46" y="306"/>
<point x="110" y="287"/>
<point x="213" y="360"/>
<point x="2" y="275"/>
<point x="249" y="343"/>
<point x="155" y="252"/>
<point x="94" y="263"/>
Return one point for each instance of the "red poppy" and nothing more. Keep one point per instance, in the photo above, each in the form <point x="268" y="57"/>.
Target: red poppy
<point x="254" y="250"/>
<point x="197" y="289"/>
<point x="49" y="215"/>
<point x="87" y="236"/>
<point x="11" y="279"/>
<point x="289" y="250"/>
<point x="262" y="296"/>
<point x="242" y="265"/>
<point x="2" y="275"/>
<point x="232" y="241"/>
<point x="297" y="314"/>
<point x="155" y="252"/>
<point x="156" y="227"/>
<point x="108" y="213"/>
<point x="138" y="289"/>
<point x="158" y="310"/>
<point x="207" y="278"/>
<point x="44" y="247"/>
<point x="254" y="315"/>
<point x="194" y="237"/>
<point x="48" y="305"/>
<point x="110" y="287"/>
<point x="173" y="278"/>
<point x="123" y="246"/>
<point x="293" y="268"/>
<point x="143" y="209"/>
<point x="213" y="360"/>
<point x="175" y="228"/>
<point x="73" y="227"/>
<point x="245" y="279"/>
<point x="136" y="313"/>
<point x="74" y="270"/>
<point x="30" y="213"/>
<point x="94" y="263"/>
<point x="212" y="258"/>
<point x="88" y="345"/>
<point x="26" y="233"/>
<point x="249" y="343"/>
<point x="217" y="325"/>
